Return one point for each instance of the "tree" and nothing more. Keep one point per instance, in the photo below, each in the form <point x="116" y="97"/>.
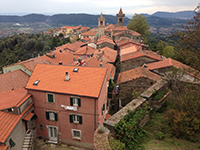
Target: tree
<point x="139" y="24"/>
<point x="160" y="47"/>
<point x="169" y="51"/>
<point x="189" y="42"/>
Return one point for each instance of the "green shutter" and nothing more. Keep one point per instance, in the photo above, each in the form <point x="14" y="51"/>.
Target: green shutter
<point x="56" y="116"/>
<point x="71" y="101"/>
<point x="79" y="102"/>
<point x="110" y="95"/>
<point x="103" y="107"/>
<point x="110" y="89"/>
<point x="71" y="118"/>
<point x="47" y="115"/>
<point x="80" y="120"/>
<point x="50" y="98"/>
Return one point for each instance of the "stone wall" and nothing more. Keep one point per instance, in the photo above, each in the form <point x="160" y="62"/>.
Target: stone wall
<point x="135" y="63"/>
<point x="138" y="85"/>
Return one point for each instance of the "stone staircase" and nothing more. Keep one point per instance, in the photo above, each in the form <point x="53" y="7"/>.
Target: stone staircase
<point x="28" y="142"/>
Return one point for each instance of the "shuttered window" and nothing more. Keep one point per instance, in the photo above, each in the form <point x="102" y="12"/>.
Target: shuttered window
<point x="50" y="115"/>
<point x="75" y="101"/>
<point x="73" y="118"/>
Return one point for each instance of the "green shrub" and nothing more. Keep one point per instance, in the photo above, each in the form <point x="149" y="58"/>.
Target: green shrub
<point x="158" y="95"/>
<point x="159" y="135"/>
<point x="116" y="144"/>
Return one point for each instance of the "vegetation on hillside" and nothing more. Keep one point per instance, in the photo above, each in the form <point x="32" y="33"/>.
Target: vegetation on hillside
<point x="189" y="42"/>
<point x="139" y="24"/>
<point x="25" y="46"/>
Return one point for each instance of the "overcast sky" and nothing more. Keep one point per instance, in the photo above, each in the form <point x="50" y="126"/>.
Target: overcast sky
<point x="94" y="6"/>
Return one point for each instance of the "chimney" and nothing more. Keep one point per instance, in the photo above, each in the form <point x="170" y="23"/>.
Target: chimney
<point x="161" y="57"/>
<point x="60" y="63"/>
<point x="101" y="64"/>
<point x="38" y="55"/>
<point x="145" y="65"/>
<point x="67" y="76"/>
<point x="60" y="51"/>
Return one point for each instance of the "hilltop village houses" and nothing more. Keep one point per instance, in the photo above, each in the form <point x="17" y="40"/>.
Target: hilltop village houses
<point x="65" y="95"/>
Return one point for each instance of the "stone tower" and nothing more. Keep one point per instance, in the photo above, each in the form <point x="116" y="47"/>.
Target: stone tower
<point x="120" y="18"/>
<point x="101" y="25"/>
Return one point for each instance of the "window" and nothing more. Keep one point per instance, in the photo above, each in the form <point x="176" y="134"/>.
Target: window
<point x="50" y="98"/>
<point x="103" y="108"/>
<point x="74" y="118"/>
<point x="120" y="19"/>
<point x="75" y="101"/>
<point x="50" y="115"/>
<point x="41" y="126"/>
<point x="76" y="134"/>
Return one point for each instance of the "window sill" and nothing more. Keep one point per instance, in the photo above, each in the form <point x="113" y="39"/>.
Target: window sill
<point x="76" y="138"/>
<point x="76" y="122"/>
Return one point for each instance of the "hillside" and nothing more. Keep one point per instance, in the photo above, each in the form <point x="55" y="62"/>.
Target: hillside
<point x="61" y="19"/>
<point x="180" y="14"/>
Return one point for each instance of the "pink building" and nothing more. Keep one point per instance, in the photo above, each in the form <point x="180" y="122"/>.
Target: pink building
<point x="70" y="101"/>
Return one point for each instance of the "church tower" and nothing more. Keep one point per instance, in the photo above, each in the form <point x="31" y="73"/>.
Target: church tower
<point x="120" y="18"/>
<point x="101" y="25"/>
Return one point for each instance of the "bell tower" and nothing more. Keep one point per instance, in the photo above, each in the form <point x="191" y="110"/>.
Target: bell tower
<point x="101" y="25"/>
<point x="120" y="18"/>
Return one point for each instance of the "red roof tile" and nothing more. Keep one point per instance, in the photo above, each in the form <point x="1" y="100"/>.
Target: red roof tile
<point x="171" y="62"/>
<point x="128" y="50"/>
<point x="137" y="73"/>
<point x="3" y="147"/>
<point x="105" y="39"/>
<point x="92" y="32"/>
<point x="141" y="53"/>
<point x="28" y="116"/>
<point x="16" y="79"/>
<point x="86" y="50"/>
<point x="120" y="11"/>
<point x="8" y="122"/>
<point x="13" y="98"/>
<point x="109" y="53"/>
<point x="95" y="62"/>
<point x="65" y="58"/>
<point x="107" y="116"/>
<point x="87" y="81"/>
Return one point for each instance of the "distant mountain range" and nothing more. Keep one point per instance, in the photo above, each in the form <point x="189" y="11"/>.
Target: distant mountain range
<point x="158" y="19"/>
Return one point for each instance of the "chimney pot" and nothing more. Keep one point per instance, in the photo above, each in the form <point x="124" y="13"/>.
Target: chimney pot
<point x="67" y="76"/>
<point x="60" y="63"/>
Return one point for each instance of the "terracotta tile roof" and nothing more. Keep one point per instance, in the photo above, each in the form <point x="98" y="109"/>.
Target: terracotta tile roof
<point x="137" y="73"/>
<point x="47" y="32"/>
<point x="30" y="63"/>
<point x="13" y="98"/>
<point x="73" y="46"/>
<point x="95" y="62"/>
<point x="117" y="33"/>
<point x="8" y="122"/>
<point x="28" y="116"/>
<point x="141" y="53"/>
<point x="109" y="53"/>
<point x="128" y="50"/>
<point x="16" y="79"/>
<point x="171" y="62"/>
<point x="3" y="147"/>
<point x="105" y="39"/>
<point x="91" y="32"/>
<point x="86" y="39"/>
<point x="86" y="82"/>
<point x="120" y="28"/>
<point x="107" y="116"/>
<point x="86" y="50"/>
<point x="65" y="58"/>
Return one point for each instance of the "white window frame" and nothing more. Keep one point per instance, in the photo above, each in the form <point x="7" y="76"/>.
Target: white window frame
<point x="53" y="98"/>
<point x="51" y="115"/>
<point x="75" y="137"/>
<point x="75" y="101"/>
<point x="55" y="136"/>
<point x="76" y="118"/>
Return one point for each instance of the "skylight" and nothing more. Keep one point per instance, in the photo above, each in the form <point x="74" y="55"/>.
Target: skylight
<point x="75" y="70"/>
<point x="36" y="82"/>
